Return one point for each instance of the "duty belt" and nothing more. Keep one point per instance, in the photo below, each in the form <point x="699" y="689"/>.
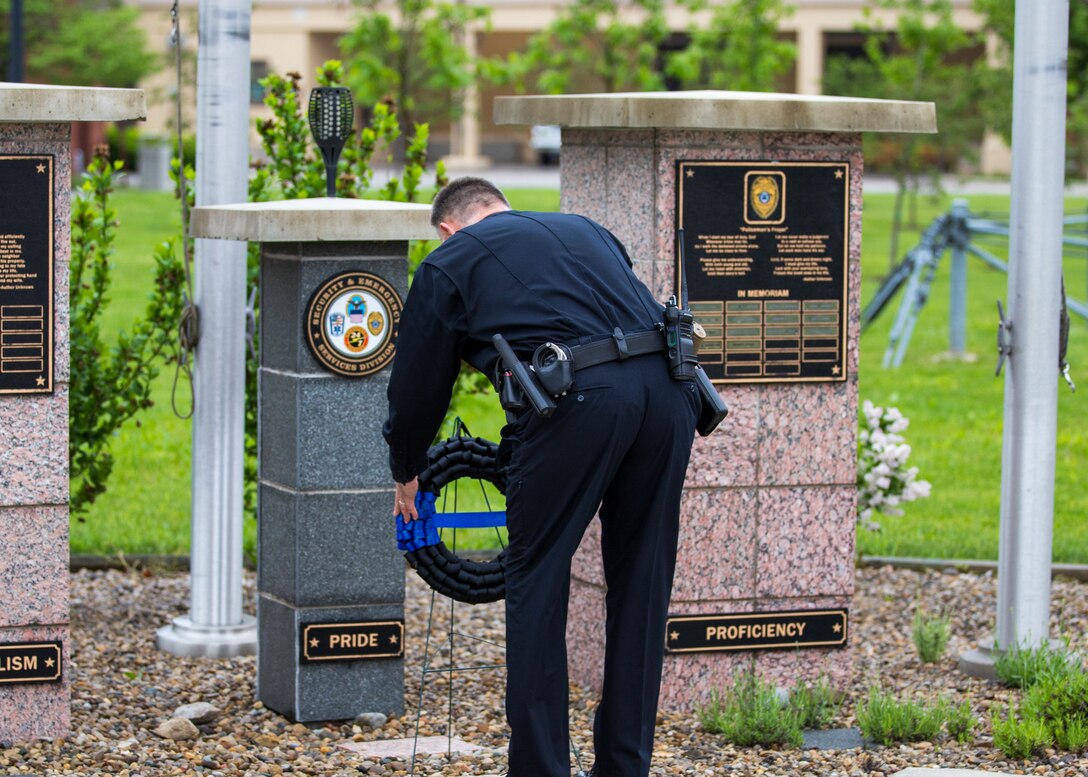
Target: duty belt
<point x="618" y="347"/>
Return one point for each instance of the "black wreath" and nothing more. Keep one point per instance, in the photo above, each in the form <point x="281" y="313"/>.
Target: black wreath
<point x="471" y="582"/>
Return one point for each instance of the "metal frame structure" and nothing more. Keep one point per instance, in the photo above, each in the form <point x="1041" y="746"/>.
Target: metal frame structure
<point x="953" y="232"/>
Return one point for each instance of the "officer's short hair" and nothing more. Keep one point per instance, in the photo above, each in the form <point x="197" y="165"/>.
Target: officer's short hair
<point x="461" y="197"/>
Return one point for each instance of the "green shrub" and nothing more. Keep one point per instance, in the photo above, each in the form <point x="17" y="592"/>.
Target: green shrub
<point x="815" y="705"/>
<point x="885" y="720"/>
<point x="930" y="634"/>
<point x="1060" y="702"/>
<point x="960" y="723"/>
<point x="1073" y="736"/>
<point x="110" y="381"/>
<point x="1020" y="738"/>
<point x="1023" y="667"/>
<point x="750" y="713"/>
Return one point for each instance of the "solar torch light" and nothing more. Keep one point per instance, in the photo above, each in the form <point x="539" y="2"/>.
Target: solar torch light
<point x="331" y="114"/>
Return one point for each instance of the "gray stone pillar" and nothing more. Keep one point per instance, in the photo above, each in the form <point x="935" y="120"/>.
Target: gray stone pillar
<point x="35" y="230"/>
<point x="765" y="567"/>
<point x="330" y="605"/>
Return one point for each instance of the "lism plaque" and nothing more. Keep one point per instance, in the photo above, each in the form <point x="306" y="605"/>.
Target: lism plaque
<point x="26" y="274"/>
<point x="30" y="662"/>
<point x="755" y="631"/>
<point x="352" y="641"/>
<point x="765" y="254"/>
<point x="351" y="323"/>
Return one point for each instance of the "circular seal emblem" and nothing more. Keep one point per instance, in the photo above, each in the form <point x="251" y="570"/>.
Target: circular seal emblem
<point x="351" y="323"/>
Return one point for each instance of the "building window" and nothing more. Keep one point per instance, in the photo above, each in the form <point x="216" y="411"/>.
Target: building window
<point x="258" y="69"/>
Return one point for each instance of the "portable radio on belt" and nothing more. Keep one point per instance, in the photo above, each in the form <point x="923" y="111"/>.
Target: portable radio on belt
<point x="680" y="329"/>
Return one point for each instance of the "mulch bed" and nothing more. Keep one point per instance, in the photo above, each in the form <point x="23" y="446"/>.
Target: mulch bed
<point x="123" y="688"/>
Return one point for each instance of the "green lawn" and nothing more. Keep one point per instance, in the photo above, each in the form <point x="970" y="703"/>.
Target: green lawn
<point x="955" y="409"/>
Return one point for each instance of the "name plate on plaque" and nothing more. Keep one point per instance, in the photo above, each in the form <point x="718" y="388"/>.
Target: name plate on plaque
<point x="765" y="253"/>
<point x="352" y="641"/>
<point x="755" y="631"/>
<point x="30" y="662"/>
<point x="26" y="274"/>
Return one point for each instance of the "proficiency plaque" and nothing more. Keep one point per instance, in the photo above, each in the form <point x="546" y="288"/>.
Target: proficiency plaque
<point x="755" y="631"/>
<point x="26" y="274"/>
<point x="765" y="250"/>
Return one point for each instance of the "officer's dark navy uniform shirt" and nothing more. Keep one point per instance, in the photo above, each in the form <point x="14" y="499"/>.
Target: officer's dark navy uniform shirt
<point x="531" y="277"/>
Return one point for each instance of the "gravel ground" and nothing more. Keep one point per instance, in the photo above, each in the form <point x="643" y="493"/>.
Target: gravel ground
<point x="124" y="689"/>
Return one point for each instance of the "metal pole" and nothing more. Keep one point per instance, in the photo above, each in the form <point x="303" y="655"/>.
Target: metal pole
<point x="1035" y="257"/>
<point x="216" y="625"/>
<point x="15" y="43"/>
<point x="957" y="318"/>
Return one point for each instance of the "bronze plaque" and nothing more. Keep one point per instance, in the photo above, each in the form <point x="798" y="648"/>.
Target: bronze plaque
<point x="352" y="641"/>
<point x="755" y="631"/>
<point x="765" y="252"/>
<point x="26" y="274"/>
<point x="30" y="662"/>
<point x="351" y="323"/>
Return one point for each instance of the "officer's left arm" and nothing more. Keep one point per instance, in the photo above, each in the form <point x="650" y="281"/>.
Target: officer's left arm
<point x="424" y="371"/>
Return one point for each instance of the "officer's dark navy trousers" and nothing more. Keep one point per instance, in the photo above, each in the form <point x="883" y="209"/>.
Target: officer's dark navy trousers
<point x="619" y="441"/>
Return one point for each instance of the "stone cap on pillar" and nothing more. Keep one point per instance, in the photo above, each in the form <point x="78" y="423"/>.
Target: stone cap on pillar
<point x="328" y="219"/>
<point x="759" y="111"/>
<point x="42" y="104"/>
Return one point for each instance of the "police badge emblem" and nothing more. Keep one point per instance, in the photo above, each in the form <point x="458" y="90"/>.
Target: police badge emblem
<point x="375" y="323"/>
<point x="351" y="323"/>
<point x="766" y="193"/>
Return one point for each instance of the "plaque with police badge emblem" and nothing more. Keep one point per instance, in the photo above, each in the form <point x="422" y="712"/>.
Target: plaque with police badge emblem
<point x="765" y="254"/>
<point x="351" y="323"/>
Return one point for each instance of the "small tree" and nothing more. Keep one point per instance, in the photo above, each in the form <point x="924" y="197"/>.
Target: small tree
<point x="596" y="45"/>
<point x="110" y="383"/>
<point x="80" y="42"/>
<point x="996" y="77"/>
<point x="420" y="62"/>
<point x="917" y="63"/>
<point x="737" y="50"/>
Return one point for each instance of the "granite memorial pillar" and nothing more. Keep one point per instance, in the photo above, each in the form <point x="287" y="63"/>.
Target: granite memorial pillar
<point x="330" y="608"/>
<point x="767" y="190"/>
<point x="35" y="214"/>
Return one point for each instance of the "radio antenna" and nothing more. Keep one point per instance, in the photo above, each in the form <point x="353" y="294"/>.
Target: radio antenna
<point x="683" y="269"/>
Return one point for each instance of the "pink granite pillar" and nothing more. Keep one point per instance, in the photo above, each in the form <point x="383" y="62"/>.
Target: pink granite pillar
<point x="768" y="512"/>
<point x="34" y="486"/>
<point x="35" y="131"/>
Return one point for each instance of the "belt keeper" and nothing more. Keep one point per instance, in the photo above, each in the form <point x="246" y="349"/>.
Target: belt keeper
<point x="621" y="344"/>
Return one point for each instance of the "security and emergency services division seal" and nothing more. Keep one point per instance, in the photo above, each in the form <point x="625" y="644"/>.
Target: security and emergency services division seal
<point x="351" y="323"/>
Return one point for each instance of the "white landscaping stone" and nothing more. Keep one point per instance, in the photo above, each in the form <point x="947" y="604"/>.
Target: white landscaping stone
<point x="178" y="729"/>
<point x="199" y="712"/>
<point x="371" y="720"/>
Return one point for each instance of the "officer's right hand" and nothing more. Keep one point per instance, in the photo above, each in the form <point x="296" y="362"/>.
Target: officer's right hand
<point x="404" y="503"/>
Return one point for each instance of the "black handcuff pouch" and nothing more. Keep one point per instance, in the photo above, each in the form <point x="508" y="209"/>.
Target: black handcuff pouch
<point x="554" y="368"/>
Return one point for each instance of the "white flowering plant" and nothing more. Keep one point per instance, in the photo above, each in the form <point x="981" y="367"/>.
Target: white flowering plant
<point x="885" y="482"/>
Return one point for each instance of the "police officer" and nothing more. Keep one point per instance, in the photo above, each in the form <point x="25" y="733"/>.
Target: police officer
<point x="618" y="442"/>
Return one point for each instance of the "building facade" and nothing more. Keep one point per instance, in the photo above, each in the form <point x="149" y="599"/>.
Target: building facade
<point x="299" y="35"/>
